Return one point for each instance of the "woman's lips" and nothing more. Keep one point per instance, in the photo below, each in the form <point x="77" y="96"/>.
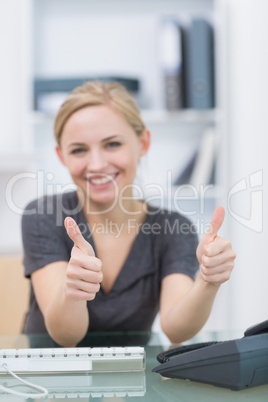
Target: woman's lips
<point x="102" y="180"/>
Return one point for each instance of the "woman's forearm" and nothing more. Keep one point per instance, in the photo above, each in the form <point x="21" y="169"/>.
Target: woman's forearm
<point x="187" y="315"/>
<point x="66" y="315"/>
<point x="190" y="313"/>
<point x="66" y="320"/>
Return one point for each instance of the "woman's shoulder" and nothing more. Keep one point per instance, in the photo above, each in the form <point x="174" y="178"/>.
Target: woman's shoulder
<point x="50" y="203"/>
<point x="51" y="210"/>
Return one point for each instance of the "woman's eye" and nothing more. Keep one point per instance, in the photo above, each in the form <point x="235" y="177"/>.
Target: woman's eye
<point x="78" y="151"/>
<point x="113" y="144"/>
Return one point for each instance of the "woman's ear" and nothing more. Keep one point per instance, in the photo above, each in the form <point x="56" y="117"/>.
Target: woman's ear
<point x="145" y="141"/>
<point x="60" y="155"/>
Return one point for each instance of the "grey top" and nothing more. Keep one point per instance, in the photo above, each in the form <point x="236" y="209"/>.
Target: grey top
<point x="165" y="244"/>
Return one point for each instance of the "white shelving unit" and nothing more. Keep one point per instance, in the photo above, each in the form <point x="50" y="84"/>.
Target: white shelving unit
<point x="75" y="42"/>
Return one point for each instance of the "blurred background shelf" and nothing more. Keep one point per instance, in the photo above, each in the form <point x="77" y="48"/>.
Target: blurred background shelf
<point x="159" y="116"/>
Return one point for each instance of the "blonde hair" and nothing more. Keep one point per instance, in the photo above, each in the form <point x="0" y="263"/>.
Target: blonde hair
<point x="93" y="93"/>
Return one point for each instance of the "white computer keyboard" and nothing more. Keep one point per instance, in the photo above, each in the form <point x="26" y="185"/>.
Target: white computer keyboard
<point x="79" y="360"/>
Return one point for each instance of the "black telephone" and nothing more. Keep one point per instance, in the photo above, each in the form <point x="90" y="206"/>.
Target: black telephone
<point x="235" y="364"/>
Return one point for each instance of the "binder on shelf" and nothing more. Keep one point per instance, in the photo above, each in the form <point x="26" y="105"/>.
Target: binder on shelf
<point x="49" y="93"/>
<point x="200" y="168"/>
<point x="203" y="170"/>
<point x="199" y="65"/>
<point x="185" y="175"/>
<point x="172" y="63"/>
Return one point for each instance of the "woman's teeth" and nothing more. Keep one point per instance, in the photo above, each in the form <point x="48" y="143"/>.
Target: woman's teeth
<point x="101" y="180"/>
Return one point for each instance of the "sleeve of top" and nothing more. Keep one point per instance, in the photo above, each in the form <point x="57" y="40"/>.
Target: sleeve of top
<point x="44" y="241"/>
<point x="179" y="243"/>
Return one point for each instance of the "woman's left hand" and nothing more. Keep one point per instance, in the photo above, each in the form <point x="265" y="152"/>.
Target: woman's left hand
<point x="215" y="254"/>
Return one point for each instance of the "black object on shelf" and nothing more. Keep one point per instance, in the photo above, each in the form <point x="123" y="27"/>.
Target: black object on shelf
<point x="171" y="56"/>
<point x="48" y="86"/>
<point x="198" y="53"/>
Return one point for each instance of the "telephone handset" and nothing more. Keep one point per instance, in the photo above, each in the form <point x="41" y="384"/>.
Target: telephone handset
<point x="235" y="364"/>
<point x="261" y="328"/>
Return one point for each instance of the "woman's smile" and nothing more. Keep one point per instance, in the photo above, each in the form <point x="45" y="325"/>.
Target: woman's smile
<point x="102" y="180"/>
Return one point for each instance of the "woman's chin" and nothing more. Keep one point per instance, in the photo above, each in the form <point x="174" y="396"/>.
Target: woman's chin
<point x="104" y="203"/>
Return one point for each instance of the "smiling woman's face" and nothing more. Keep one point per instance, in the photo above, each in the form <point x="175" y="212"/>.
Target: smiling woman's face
<point x="101" y="151"/>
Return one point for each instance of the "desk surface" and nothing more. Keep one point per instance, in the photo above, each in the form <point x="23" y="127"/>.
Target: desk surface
<point x="122" y="387"/>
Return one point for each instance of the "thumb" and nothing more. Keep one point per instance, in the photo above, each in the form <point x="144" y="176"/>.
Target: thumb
<point x="211" y="233"/>
<point x="215" y="223"/>
<point x="77" y="237"/>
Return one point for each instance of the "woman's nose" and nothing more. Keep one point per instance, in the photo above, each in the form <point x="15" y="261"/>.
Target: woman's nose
<point x="97" y="162"/>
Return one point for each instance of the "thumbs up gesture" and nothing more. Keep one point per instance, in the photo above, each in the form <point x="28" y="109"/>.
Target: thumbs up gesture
<point x="83" y="274"/>
<point x="215" y="254"/>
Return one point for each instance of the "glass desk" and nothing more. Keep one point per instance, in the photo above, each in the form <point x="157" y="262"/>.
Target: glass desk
<point x="135" y="387"/>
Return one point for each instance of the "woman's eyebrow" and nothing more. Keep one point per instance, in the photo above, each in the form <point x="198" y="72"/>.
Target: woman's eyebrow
<point x="81" y="144"/>
<point x="112" y="137"/>
<point x="76" y="144"/>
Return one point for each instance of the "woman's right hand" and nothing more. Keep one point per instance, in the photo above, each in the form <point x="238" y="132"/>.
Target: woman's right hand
<point x="84" y="273"/>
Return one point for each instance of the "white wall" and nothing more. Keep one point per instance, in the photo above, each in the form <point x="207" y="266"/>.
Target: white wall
<point x="15" y="101"/>
<point x="14" y="73"/>
<point x="247" y="133"/>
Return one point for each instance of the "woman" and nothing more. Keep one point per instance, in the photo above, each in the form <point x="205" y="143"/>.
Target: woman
<point x="130" y="261"/>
